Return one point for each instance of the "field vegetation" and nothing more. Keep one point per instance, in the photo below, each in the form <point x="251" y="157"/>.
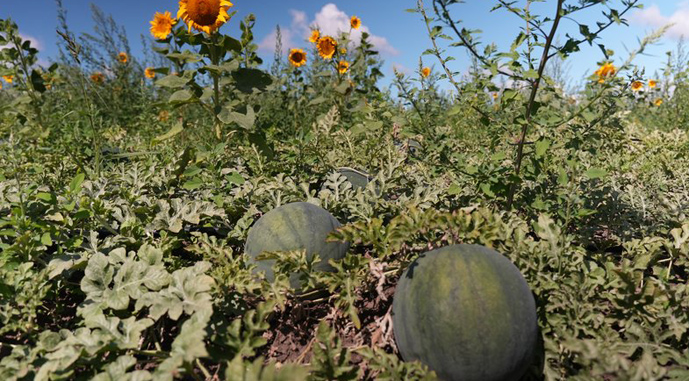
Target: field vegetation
<point x="129" y="185"/>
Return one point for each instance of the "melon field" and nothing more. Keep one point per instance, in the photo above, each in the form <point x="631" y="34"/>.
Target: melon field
<point x="196" y="212"/>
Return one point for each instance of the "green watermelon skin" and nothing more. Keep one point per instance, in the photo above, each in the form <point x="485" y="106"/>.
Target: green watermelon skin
<point x="358" y="179"/>
<point x="467" y="312"/>
<point x="295" y="226"/>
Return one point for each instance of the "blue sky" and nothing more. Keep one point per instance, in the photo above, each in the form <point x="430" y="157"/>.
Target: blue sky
<point x="399" y="35"/>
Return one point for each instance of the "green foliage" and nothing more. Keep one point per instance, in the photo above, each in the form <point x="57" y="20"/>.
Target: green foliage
<point x="124" y="216"/>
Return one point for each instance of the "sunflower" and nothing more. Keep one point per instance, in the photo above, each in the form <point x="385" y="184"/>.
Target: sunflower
<point x="149" y="73"/>
<point x="637" y="85"/>
<point x="342" y="67"/>
<point x="652" y="83"/>
<point x="327" y="47"/>
<point x="8" y="78"/>
<point x="204" y="15"/>
<point x="0" y="85"/>
<point x="297" y="57"/>
<point x="163" y="116"/>
<point x="608" y="70"/>
<point x="315" y="35"/>
<point x="161" y="26"/>
<point x="355" y="22"/>
<point x="97" y="77"/>
<point x="658" y="102"/>
<point x="123" y="57"/>
<point x="343" y="51"/>
<point x="425" y="72"/>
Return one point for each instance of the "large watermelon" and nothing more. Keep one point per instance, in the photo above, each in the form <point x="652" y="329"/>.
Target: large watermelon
<point x="466" y="312"/>
<point x="295" y="226"/>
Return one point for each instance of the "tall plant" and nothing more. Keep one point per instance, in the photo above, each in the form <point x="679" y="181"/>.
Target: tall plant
<point x="524" y="64"/>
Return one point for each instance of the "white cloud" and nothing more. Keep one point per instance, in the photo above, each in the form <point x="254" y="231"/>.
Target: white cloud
<point x="653" y="17"/>
<point x="331" y="21"/>
<point x="268" y="42"/>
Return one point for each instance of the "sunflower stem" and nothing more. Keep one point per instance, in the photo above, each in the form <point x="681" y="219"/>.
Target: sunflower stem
<point x="215" y="59"/>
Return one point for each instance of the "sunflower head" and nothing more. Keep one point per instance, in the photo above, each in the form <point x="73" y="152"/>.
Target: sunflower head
<point x="652" y="83"/>
<point x="608" y="70"/>
<point x="315" y="35"/>
<point x="637" y="85"/>
<point x="342" y="67"/>
<point x="658" y="102"/>
<point x="204" y="15"/>
<point x="149" y="73"/>
<point x="163" y="116"/>
<point x="355" y="22"/>
<point x="123" y="57"/>
<point x="425" y="72"/>
<point x="8" y="78"/>
<point x="326" y="47"/>
<point x="297" y="57"/>
<point x="97" y="77"/>
<point x="161" y="26"/>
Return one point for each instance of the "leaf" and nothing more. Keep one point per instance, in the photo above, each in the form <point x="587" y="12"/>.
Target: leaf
<point x="245" y="121"/>
<point x="64" y="263"/>
<point x="174" y="131"/>
<point x="530" y="74"/>
<point x="188" y="293"/>
<point x="192" y="184"/>
<point x="125" y="333"/>
<point x="75" y="184"/>
<point x="187" y="346"/>
<point x="485" y="187"/>
<point x="454" y="190"/>
<point x="562" y="178"/>
<point x="595" y="173"/>
<point x="180" y="96"/>
<point x="456" y="109"/>
<point x="238" y="370"/>
<point x="37" y="81"/>
<point x="132" y="281"/>
<point x="117" y="370"/>
<point x="249" y="79"/>
<point x="235" y="178"/>
<point x="172" y="81"/>
<point x="46" y="240"/>
<point x="541" y="147"/>
<point x="317" y="101"/>
<point x="97" y="276"/>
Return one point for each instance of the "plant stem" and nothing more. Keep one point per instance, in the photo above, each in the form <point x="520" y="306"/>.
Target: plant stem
<point x="215" y="59"/>
<point x="532" y="101"/>
<point x="436" y="50"/>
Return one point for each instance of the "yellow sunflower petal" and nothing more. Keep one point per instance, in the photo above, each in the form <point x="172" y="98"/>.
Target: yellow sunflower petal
<point x="204" y="15"/>
<point x="326" y="47"/>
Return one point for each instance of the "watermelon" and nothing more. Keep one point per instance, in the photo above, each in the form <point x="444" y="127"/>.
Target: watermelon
<point x="358" y="179"/>
<point x="466" y="312"/>
<point x="295" y="226"/>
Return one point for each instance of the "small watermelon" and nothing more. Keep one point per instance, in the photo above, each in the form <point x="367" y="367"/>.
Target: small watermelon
<point x="466" y="312"/>
<point x="295" y="226"/>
